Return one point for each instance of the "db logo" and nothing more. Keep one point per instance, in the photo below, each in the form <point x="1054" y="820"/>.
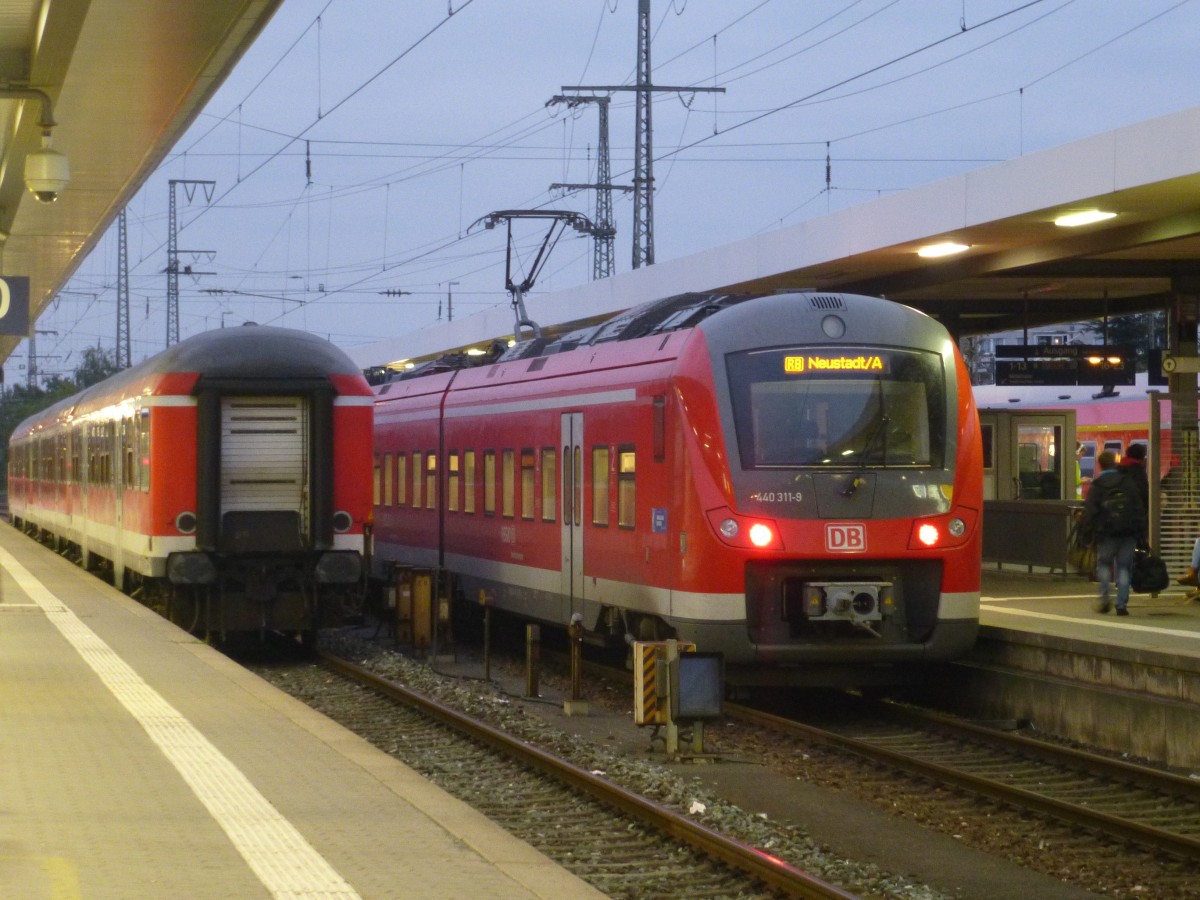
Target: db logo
<point x="845" y="538"/>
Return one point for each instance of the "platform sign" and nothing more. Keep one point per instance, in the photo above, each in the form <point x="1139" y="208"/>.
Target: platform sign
<point x="1065" y="365"/>
<point x="14" y="305"/>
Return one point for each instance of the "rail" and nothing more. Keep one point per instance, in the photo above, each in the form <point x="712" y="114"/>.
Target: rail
<point x="774" y="873"/>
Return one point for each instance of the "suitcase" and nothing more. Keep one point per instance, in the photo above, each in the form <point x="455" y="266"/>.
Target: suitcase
<point x="1149" y="574"/>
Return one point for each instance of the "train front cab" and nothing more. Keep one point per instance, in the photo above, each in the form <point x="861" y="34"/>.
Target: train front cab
<point x="873" y="555"/>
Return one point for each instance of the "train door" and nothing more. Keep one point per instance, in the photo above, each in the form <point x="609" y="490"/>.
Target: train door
<point x="1033" y="455"/>
<point x="572" y="513"/>
<point x="264" y="465"/>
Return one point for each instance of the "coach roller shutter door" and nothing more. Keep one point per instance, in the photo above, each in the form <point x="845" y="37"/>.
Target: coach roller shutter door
<point x="264" y="472"/>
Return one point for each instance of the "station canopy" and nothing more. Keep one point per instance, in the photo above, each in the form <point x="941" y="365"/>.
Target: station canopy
<point x="124" y="79"/>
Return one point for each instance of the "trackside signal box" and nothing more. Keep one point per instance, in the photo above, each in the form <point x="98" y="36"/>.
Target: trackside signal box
<point x="651" y="680"/>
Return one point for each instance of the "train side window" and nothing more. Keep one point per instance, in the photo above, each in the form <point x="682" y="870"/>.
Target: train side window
<point x="549" y="479"/>
<point x="418" y="473"/>
<point x="453" y="482"/>
<point x="376" y="493"/>
<point x="489" y="482"/>
<point x="527" y="484"/>
<point x="128" y="454"/>
<point x="568" y="500"/>
<point x="388" y="473"/>
<point x="626" y="493"/>
<point x="431" y="480"/>
<point x="63" y="454"/>
<point x="401" y="479"/>
<point x="469" y="481"/>
<point x="508" y="487"/>
<point x="600" y="486"/>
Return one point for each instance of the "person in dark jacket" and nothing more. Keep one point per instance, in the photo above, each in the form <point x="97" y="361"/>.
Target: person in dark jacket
<point x="1133" y="464"/>
<point x="1116" y="538"/>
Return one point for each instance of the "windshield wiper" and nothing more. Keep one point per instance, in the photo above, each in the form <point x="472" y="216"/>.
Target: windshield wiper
<point x="880" y="432"/>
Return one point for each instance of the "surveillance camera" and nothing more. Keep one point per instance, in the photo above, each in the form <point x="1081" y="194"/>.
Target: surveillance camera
<point x="46" y="174"/>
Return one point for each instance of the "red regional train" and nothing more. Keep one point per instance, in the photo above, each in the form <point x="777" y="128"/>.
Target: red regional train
<point x="794" y="481"/>
<point x="228" y="478"/>
<point x="1103" y="421"/>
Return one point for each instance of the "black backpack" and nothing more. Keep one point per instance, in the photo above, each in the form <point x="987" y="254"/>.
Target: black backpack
<point x="1121" y="509"/>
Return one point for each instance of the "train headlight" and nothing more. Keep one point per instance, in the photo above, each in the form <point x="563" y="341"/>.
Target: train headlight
<point x="186" y="522"/>
<point x="761" y="535"/>
<point x="943" y="532"/>
<point x="746" y="532"/>
<point x="342" y="521"/>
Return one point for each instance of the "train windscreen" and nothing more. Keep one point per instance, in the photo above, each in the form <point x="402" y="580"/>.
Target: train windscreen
<point x="829" y="407"/>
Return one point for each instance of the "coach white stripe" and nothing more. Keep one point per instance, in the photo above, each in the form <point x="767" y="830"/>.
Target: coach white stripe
<point x="279" y="855"/>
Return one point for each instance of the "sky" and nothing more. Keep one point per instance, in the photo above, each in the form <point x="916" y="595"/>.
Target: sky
<point x="356" y="146"/>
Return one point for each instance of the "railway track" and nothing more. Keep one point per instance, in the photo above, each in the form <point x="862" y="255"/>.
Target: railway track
<point x="617" y="840"/>
<point x="1150" y="807"/>
<point x="1131" y="803"/>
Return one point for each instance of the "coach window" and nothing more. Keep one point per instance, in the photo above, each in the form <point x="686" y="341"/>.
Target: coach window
<point x="549" y="477"/>
<point x="128" y="454"/>
<point x="452" y="485"/>
<point x="469" y="481"/>
<point x="508" y="487"/>
<point x="93" y="456"/>
<point x="600" y="486"/>
<point x="527" y="484"/>
<point x="143" y="452"/>
<point x="418" y="473"/>
<point x="626" y="470"/>
<point x="489" y="482"/>
<point x="401" y="479"/>
<point x="376" y="493"/>
<point x="388" y="492"/>
<point x="431" y="480"/>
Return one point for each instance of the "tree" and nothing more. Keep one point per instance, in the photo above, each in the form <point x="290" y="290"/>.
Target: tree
<point x="20" y="402"/>
<point x="97" y="365"/>
<point x="1139" y="330"/>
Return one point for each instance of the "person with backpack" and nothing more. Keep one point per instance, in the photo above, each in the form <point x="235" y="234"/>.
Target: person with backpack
<point x="1113" y="517"/>
<point x="1133" y="464"/>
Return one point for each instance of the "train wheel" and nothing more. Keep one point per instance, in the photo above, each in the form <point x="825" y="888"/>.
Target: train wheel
<point x="649" y="628"/>
<point x="184" y="607"/>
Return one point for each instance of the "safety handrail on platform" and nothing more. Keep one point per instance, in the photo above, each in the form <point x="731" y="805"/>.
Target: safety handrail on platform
<point x="1029" y="532"/>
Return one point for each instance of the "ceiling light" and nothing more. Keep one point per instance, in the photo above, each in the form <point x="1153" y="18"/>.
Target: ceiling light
<point x="945" y="248"/>
<point x="1083" y="217"/>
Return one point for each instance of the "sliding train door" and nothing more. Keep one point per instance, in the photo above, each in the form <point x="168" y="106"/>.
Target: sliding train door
<point x="572" y="514"/>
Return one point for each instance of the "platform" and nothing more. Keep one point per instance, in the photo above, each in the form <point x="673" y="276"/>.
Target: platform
<point x="1130" y="684"/>
<point x="138" y="762"/>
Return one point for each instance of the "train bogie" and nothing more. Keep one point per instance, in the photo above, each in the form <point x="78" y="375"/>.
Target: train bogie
<point x="793" y="481"/>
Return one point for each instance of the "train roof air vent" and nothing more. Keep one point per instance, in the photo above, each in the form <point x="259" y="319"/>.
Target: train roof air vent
<point x="826" y="301"/>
